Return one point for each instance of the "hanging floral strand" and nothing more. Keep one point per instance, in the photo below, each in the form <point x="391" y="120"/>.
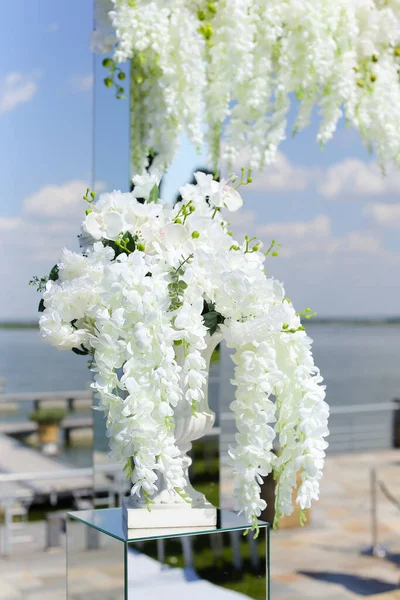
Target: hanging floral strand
<point x="240" y="65"/>
<point x="154" y="277"/>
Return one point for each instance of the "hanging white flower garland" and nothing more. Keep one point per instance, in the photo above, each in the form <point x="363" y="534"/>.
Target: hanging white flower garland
<point x="240" y="64"/>
<point x="153" y="277"/>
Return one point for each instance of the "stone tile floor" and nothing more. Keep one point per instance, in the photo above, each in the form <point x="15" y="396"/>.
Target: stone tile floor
<point x="323" y="560"/>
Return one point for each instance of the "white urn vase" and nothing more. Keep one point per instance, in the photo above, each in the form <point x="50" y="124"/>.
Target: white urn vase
<point x="169" y="509"/>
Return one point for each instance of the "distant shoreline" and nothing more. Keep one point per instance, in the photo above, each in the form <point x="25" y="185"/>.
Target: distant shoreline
<point x="19" y="325"/>
<point x="364" y="322"/>
<point x="352" y="321"/>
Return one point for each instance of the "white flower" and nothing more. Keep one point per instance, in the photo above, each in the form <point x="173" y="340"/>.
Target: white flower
<point x="72" y="265"/>
<point x="103" y="38"/>
<point x="143" y="184"/>
<point x="240" y="69"/>
<point x="60" y="334"/>
<point x="224" y="195"/>
<point x="157" y="301"/>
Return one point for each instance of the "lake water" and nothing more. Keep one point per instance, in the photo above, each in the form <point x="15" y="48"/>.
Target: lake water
<point x="360" y="363"/>
<point x="28" y="364"/>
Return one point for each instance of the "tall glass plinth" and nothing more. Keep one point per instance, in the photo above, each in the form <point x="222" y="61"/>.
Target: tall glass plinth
<point x="105" y="561"/>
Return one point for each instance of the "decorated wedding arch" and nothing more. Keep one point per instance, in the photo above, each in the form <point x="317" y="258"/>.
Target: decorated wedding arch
<point x="233" y="68"/>
<point x="156" y="281"/>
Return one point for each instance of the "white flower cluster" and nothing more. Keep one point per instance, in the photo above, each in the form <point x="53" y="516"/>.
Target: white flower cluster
<point x="241" y="63"/>
<point x="154" y="278"/>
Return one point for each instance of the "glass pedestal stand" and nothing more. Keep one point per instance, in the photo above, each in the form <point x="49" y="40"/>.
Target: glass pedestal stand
<point x="107" y="562"/>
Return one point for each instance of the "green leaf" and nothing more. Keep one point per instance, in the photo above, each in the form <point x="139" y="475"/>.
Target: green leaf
<point x="154" y="194"/>
<point x="208" y="307"/>
<point x="53" y="275"/>
<point x="41" y="306"/>
<point x="130" y="241"/>
<point x="211" y="321"/>
<point x="82" y="352"/>
<point x="212" y="318"/>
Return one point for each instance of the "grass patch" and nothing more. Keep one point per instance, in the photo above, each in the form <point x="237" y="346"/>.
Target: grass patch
<point x="216" y="565"/>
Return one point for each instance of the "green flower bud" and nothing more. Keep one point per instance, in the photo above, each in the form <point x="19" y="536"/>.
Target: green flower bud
<point x="178" y="342"/>
<point x="121" y="76"/>
<point x="373" y="77"/>
<point x="107" y="62"/>
<point x="201" y="15"/>
<point x="275" y="253"/>
<point x="360" y="83"/>
<point x="211" y="8"/>
<point x="229" y="233"/>
<point x="139" y="79"/>
<point x="285" y="326"/>
<point x="88" y="211"/>
<point x="374" y="58"/>
<point x="179" y="221"/>
<point x="192" y="208"/>
<point x="397" y="51"/>
<point x="249" y="180"/>
<point x="255" y="248"/>
<point x="206" y="31"/>
<point x="140" y="247"/>
<point x="108" y="82"/>
<point x="195" y="235"/>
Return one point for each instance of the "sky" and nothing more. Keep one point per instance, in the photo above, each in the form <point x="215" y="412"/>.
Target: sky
<point x="337" y="218"/>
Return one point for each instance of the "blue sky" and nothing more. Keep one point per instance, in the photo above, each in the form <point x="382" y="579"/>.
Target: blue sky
<point x="338" y="219"/>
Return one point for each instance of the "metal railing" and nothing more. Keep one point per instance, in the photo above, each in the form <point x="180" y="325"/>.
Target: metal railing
<point x="377" y="548"/>
<point x="69" y="398"/>
<point x="352" y="428"/>
<point x="10" y="496"/>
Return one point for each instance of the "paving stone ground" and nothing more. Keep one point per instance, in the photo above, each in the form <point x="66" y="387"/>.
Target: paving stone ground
<point x="323" y="560"/>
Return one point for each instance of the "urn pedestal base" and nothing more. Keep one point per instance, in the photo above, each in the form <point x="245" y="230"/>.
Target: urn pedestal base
<point x="164" y="516"/>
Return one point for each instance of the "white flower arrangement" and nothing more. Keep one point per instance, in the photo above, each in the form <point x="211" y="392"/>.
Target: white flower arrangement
<point x="239" y="64"/>
<point x="153" y="277"/>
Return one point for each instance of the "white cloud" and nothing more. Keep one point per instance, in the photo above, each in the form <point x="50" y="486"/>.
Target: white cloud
<point x="56" y="201"/>
<point x="81" y="83"/>
<point x="281" y="176"/>
<point x="50" y="218"/>
<point x="356" y="242"/>
<point x="385" y="215"/>
<point x="30" y="244"/>
<point x="16" y="89"/>
<point x="319" y="227"/>
<point x="10" y="223"/>
<point x="348" y="178"/>
<point x="299" y="238"/>
<point x="353" y="177"/>
<point x="348" y="274"/>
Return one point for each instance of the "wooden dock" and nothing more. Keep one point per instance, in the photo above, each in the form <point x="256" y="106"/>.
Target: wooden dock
<point x="17" y="458"/>
<point x="29" y="427"/>
<point x="69" y="399"/>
